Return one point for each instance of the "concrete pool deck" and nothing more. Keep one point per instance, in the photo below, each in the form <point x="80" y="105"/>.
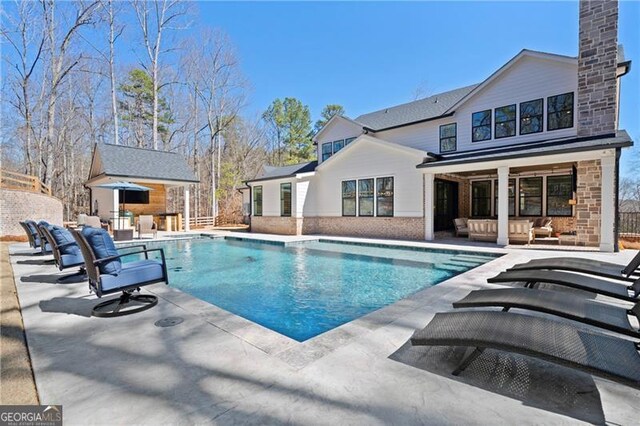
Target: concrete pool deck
<point x="216" y="367"/>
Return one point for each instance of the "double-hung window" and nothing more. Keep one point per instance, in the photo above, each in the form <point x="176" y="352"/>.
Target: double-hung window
<point x="366" y="193"/>
<point x="560" y="111"/>
<point x="349" y="198"/>
<point x="505" y="121"/>
<point x="481" y="126"/>
<point x="448" y="134"/>
<point x="327" y="150"/>
<point x="531" y="196"/>
<point x="257" y="200"/>
<point x="559" y="192"/>
<point x="531" y="117"/>
<point x="384" y="196"/>
<point x="285" y="199"/>
<point x="481" y="198"/>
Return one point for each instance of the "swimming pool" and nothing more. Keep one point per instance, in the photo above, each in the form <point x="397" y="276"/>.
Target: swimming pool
<point x="305" y="289"/>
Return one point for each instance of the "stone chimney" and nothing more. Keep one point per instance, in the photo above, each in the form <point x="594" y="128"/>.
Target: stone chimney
<point x="597" y="61"/>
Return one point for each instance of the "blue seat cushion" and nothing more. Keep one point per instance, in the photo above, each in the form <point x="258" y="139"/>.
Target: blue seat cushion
<point x="63" y="236"/>
<point x="132" y="273"/>
<point x="103" y="246"/>
<point x="68" y="260"/>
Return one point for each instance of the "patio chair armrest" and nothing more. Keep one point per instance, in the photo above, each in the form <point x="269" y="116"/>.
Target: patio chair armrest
<point x="106" y="259"/>
<point x="66" y="244"/>
<point x="144" y="246"/>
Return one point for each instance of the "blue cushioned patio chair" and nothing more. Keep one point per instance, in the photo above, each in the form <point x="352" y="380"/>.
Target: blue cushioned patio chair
<point x="66" y="252"/>
<point x="107" y="274"/>
<point x="30" y="235"/>
<point x="36" y="240"/>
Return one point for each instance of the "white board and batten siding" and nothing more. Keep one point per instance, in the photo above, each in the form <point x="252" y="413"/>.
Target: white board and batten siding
<point x="271" y="195"/>
<point x="366" y="159"/>
<point x="528" y="79"/>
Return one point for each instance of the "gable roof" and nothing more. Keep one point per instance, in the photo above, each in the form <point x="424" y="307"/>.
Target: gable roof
<point x="274" y="172"/>
<point x="131" y="162"/>
<point x="522" y="54"/>
<point x="334" y="119"/>
<point x="375" y="140"/>
<point x="434" y="106"/>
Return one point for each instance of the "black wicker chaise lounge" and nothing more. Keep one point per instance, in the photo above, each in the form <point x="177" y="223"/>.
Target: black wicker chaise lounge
<point x="586" y="266"/>
<point x="566" y="305"/>
<point x="602" y="286"/>
<point x="554" y="341"/>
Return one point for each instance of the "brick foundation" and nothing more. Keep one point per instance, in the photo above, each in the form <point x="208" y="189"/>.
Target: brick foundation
<point x="402" y="228"/>
<point x="276" y="225"/>
<point x="17" y="206"/>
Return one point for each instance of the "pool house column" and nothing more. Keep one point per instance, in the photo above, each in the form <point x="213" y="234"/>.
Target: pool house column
<point x="187" y="227"/>
<point x="503" y="205"/>
<point x="429" y="206"/>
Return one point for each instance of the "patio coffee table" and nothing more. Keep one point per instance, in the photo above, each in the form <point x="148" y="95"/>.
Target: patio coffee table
<point x="122" y="234"/>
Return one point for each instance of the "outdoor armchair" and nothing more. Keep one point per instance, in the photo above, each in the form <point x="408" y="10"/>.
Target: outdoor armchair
<point x="462" y="229"/>
<point x="66" y="252"/>
<point x="146" y="225"/>
<point x="108" y="274"/>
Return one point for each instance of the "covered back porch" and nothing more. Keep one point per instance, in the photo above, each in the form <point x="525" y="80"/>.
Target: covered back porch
<point x="563" y="199"/>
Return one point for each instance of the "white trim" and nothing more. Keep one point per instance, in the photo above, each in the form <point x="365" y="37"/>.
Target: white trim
<point x="330" y="123"/>
<point x="371" y="139"/>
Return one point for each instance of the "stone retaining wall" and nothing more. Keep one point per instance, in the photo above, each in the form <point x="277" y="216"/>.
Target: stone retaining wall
<point x="16" y="206"/>
<point x="402" y="228"/>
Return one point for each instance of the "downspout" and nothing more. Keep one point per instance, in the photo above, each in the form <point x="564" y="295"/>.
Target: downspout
<point x="250" y="205"/>
<point x="616" y="220"/>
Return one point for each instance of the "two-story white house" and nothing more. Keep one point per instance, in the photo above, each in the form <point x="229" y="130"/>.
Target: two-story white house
<point x="537" y="138"/>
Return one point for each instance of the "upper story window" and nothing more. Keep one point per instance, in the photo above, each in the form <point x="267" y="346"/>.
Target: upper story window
<point x="560" y="111"/>
<point x="327" y="150"/>
<point x="338" y="145"/>
<point x="365" y="197"/>
<point x="285" y="199"/>
<point x="505" y="121"/>
<point x="448" y="136"/>
<point x="347" y="141"/>
<point x="349" y="198"/>
<point x="384" y="196"/>
<point x="531" y="117"/>
<point x="257" y="200"/>
<point x="481" y="126"/>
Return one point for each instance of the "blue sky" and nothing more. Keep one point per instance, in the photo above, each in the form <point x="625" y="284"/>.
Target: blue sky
<point x="370" y="55"/>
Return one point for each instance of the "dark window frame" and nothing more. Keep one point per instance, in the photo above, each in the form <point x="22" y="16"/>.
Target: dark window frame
<point x="372" y="196"/>
<point x="473" y="136"/>
<point x="393" y="194"/>
<point x="335" y="151"/>
<point x="541" y="116"/>
<point x="347" y="141"/>
<point x="255" y="200"/>
<point x="489" y="197"/>
<point x="573" y="107"/>
<point x="496" y="122"/>
<point x="328" y="154"/>
<point x="282" y="199"/>
<point x="355" y="197"/>
<point x="570" y="176"/>
<point x="454" y="137"/>
<point x="520" y="196"/>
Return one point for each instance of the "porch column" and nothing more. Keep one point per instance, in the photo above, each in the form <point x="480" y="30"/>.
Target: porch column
<point x="187" y="228"/>
<point x="428" y="206"/>
<point x="503" y="205"/>
<point x="115" y="210"/>
<point x="607" y="204"/>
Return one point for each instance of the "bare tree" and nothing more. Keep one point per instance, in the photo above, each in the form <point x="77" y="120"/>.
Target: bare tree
<point x="61" y="64"/>
<point x="27" y="40"/>
<point x="154" y="20"/>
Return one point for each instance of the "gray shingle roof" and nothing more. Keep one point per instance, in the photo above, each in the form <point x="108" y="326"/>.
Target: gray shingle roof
<point x="423" y="109"/>
<point x="272" y="172"/>
<point x="127" y="161"/>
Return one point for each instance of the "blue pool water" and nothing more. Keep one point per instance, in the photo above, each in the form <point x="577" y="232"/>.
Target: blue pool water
<point x="308" y="288"/>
